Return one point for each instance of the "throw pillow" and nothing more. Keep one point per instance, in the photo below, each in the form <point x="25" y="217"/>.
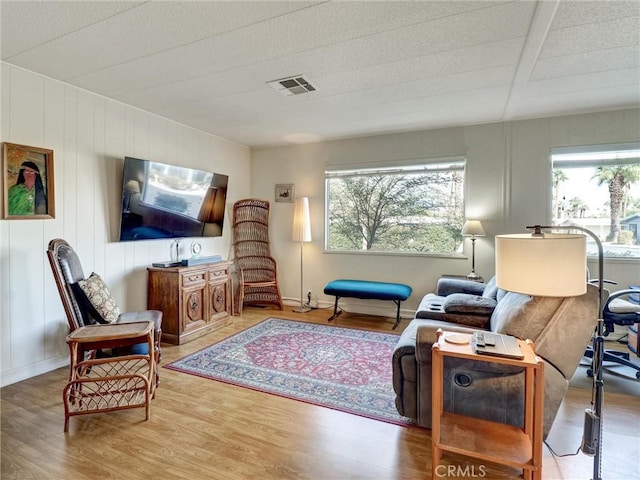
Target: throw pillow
<point x="466" y="303"/>
<point x="98" y="295"/>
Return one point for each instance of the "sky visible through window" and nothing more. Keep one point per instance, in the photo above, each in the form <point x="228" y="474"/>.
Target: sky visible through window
<point x="600" y="190"/>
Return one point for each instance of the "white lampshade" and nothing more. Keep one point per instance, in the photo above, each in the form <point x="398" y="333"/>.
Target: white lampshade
<point x="553" y="265"/>
<point x="473" y="228"/>
<point x="301" y="231"/>
<point x="132" y="186"/>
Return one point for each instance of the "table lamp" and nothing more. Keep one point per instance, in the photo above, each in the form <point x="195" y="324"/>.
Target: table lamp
<point x="473" y="229"/>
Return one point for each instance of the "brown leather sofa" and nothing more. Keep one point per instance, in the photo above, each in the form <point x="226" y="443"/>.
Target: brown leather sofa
<point x="560" y="328"/>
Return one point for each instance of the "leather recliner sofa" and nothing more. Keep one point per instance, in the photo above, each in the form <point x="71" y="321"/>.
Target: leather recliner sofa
<point x="560" y="328"/>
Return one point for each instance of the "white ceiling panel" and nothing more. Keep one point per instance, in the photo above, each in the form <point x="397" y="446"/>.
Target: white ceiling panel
<point x="621" y="32"/>
<point x="601" y="61"/>
<point x="573" y="13"/>
<point x="29" y="24"/>
<point x="597" y="99"/>
<point x="618" y="78"/>
<point x="384" y="66"/>
<point x="151" y="29"/>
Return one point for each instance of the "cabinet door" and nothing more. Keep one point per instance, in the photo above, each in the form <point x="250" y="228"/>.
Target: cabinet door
<point x="194" y="295"/>
<point x="218" y="300"/>
<point x="219" y="293"/>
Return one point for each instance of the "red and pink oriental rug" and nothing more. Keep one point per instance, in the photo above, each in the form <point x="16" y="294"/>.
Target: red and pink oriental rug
<point x="335" y="367"/>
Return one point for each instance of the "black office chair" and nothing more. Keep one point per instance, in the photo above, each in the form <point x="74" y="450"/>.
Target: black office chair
<point x="621" y="308"/>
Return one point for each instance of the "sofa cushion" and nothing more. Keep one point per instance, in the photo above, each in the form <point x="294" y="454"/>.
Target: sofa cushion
<point x="523" y="316"/>
<point x="465" y="303"/>
<point x="491" y="289"/>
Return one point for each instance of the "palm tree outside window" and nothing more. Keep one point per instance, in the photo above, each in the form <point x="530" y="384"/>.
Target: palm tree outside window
<point x="598" y="187"/>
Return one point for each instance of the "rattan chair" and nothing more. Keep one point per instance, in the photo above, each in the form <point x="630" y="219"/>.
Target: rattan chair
<point x="256" y="269"/>
<point x="113" y="365"/>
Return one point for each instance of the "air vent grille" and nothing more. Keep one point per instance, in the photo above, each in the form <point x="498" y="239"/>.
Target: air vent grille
<point x="292" y="85"/>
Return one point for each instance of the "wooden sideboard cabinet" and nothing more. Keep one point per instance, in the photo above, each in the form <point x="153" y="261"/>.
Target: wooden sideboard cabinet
<point x="194" y="300"/>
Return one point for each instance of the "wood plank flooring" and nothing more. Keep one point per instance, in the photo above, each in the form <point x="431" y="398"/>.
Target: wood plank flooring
<point x="202" y="429"/>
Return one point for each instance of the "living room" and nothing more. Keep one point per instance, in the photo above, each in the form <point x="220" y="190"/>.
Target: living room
<point x="507" y="186"/>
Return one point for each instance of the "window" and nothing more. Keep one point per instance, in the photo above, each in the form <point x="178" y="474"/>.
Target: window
<point x="598" y="188"/>
<point x="408" y="209"/>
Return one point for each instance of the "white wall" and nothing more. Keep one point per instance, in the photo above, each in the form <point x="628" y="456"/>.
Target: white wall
<point x="90" y="136"/>
<point x="508" y="186"/>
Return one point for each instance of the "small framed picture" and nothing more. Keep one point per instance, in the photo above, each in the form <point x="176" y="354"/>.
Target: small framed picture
<point x="27" y="182"/>
<point x="284" y="192"/>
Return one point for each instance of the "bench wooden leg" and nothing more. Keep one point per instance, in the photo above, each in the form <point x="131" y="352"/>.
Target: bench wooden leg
<point x="335" y="310"/>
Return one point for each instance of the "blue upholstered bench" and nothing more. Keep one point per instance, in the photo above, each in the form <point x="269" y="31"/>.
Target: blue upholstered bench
<point x="368" y="291"/>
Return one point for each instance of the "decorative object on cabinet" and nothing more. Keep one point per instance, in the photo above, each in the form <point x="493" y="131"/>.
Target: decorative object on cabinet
<point x="255" y="267"/>
<point x="195" y="300"/>
<point x="28" y="182"/>
<point x="301" y="232"/>
<point x="196" y="249"/>
<point x="473" y="229"/>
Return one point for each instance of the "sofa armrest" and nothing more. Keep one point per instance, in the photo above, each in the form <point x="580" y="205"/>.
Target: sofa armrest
<point x="447" y="286"/>
<point x="467" y="303"/>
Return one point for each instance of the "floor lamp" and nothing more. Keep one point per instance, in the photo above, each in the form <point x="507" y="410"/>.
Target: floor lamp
<point x="473" y="229"/>
<point x="555" y="265"/>
<point x="301" y="232"/>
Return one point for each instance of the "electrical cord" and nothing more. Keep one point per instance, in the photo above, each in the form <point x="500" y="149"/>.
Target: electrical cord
<point x="555" y="454"/>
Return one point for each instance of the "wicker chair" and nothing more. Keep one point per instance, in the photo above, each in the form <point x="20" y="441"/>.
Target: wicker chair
<point x="113" y="366"/>
<point x="256" y="269"/>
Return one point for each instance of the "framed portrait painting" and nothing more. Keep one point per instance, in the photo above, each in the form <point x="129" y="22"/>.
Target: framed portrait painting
<point x="27" y="174"/>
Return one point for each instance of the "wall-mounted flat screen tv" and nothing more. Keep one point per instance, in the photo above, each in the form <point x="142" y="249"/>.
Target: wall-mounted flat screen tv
<point x="167" y="201"/>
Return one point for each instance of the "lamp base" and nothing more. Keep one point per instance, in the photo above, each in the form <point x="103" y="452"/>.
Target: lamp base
<point x="474" y="277"/>
<point x="303" y="309"/>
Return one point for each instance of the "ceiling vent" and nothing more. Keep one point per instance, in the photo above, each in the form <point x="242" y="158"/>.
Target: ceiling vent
<point x="292" y="85"/>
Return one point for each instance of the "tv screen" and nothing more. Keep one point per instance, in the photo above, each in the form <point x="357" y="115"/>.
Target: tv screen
<point x="167" y="201"/>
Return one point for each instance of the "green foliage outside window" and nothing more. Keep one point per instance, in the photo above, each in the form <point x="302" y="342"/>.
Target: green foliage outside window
<point x="411" y="210"/>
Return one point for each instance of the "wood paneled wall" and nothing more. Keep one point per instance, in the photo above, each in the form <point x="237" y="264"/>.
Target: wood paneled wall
<point x="90" y="136"/>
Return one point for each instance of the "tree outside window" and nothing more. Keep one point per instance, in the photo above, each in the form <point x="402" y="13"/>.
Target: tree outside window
<point x="415" y="209"/>
<point x="599" y="188"/>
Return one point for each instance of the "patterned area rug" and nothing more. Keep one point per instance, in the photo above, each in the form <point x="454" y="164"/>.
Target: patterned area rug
<point x="336" y="367"/>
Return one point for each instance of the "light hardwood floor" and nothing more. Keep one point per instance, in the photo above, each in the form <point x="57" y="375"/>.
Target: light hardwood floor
<point x="202" y="429"/>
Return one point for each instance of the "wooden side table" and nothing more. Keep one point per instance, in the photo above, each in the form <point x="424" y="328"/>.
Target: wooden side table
<point x="482" y="439"/>
<point x="115" y="383"/>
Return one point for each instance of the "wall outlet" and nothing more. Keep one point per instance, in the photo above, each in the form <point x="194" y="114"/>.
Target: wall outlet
<point x="313" y="303"/>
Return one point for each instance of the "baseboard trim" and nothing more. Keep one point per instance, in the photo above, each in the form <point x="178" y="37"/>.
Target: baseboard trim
<point x="32" y="370"/>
